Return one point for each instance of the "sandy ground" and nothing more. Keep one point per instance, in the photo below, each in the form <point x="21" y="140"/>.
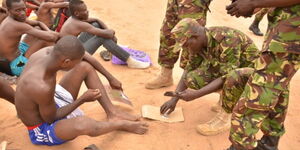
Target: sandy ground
<point x="137" y="23"/>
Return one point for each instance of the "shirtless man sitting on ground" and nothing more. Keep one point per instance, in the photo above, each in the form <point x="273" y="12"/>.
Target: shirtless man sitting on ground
<point x="44" y="13"/>
<point x="49" y="110"/>
<point x="11" y="30"/>
<point x="98" y="34"/>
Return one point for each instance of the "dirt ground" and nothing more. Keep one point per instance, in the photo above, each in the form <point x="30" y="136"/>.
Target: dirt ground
<point x="137" y="24"/>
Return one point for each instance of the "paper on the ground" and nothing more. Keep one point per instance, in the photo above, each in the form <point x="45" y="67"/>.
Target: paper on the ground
<point x="153" y="112"/>
<point x="3" y="145"/>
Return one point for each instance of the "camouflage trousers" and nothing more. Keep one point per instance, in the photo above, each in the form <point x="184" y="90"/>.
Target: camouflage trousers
<point x="246" y="121"/>
<point x="264" y="102"/>
<point x="233" y="87"/>
<point x="177" y="10"/>
<point x="260" y="15"/>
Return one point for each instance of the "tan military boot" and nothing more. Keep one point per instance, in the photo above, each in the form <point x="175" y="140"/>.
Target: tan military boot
<point x="164" y="79"/>
<point x="219" y="124"/>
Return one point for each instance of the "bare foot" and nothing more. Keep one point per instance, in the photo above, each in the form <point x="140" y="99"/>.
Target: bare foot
<point x="121" y="115"/>
<point x="134" y="127"/>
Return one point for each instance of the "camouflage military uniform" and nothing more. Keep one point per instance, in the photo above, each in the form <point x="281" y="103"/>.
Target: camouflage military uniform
<point x="263" y="104"/>
<point x="177" y="10"/>
<point x="260" y="15"/>
<point x="228" y="49"/>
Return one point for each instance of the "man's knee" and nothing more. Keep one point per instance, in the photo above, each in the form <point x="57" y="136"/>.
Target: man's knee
<point x="96" y="24"/>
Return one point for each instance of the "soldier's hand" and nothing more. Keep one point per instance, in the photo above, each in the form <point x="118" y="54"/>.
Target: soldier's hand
<point x="187" y="95"/>
<point x="239" y="8"/>
<point x="90" y="95"/>
<point x="168" y="107"/>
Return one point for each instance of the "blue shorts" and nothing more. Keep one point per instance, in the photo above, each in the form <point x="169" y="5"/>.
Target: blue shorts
<point x="18" y="64"/>
<point x="44" y="134"/>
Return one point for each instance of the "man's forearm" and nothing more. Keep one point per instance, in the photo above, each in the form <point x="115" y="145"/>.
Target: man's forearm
<point x="181" y="86"/>
<point x="43" y="26"/>
<point x="274" y="3"/>
<point x="66" y="110"/>
<point x="34" y="2"/>
<point x="90" y="59"/>
<point x="211" y="87"/>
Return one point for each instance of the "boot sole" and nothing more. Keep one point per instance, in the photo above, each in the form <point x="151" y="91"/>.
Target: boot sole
<point x="210" y="133"/>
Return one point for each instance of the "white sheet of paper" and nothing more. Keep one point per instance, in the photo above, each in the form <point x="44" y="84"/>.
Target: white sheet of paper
<point x="153" y="112"/>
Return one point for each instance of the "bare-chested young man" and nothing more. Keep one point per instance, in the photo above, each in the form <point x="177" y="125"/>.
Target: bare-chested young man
<point x="48" y="109"/>
<point x="11" y="30"/>
<point x="94" y="33"/>
<point x="44" y="13"/>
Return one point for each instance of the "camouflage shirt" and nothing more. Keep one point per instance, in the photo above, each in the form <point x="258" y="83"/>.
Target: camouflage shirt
<point x="281" y="49"/>
<point x="227" y="49"/>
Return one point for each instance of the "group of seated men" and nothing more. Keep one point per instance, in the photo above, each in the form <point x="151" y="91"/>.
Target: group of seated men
<point x="254" y="84"/>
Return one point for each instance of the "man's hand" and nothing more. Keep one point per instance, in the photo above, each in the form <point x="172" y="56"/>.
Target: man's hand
<point x="109" y="33"/>
<point x="90" y="95"/>
<point x="115" y="39"/>
<point x="56" y="36"/>
<point x="239" y="8"/>
<point x="186" y="95"/>
<point x="115" y="84"/>
<point x="168" y="107"/>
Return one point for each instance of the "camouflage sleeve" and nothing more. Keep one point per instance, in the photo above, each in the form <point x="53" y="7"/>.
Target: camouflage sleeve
<point x="248" y="56"/>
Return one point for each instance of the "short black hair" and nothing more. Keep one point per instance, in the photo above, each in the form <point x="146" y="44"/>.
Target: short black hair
<point x="10" y="2"/>
<point x="70" y="47"/>
<point x="73" y="5"/>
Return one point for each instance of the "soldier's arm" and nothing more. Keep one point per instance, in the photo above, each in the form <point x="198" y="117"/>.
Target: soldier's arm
<point x="170" y="105"/>
<point x="246" y="7"/>
<point x="274" y="3"/>
<point x="189" y="95"/>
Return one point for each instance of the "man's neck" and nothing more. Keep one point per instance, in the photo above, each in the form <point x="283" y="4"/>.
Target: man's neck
<point x="52" y="65"/>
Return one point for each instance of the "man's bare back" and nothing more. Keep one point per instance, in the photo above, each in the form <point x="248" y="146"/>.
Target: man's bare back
<point x="29" y="85"/>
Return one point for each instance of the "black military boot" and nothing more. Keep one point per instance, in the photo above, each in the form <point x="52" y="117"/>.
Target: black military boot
<point x="255" y="29"/>
<point x="268" y="143"/>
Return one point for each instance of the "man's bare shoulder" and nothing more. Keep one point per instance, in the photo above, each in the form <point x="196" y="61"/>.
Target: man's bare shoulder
<point x="10" y="23"/>
<point x="77" y="23"/>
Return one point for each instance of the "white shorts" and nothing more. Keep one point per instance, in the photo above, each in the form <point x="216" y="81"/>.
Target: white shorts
<point x="62" y="97"/>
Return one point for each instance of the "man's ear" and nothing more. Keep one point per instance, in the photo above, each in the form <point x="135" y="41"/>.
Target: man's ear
<point x="76" y="13"/>
<point x="66" y="62"/>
